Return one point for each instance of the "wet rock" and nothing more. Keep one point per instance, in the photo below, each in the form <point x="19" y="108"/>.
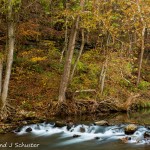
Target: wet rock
<point x="18" y="130"/>
<point x="75" y="136"/>
<point x="29" y="129"/>
<point x="148" y="127"/>
<point x="125" y="139"/>
<point x="129" y="138"/>
<point x="82" y="129"/>
<point x="49" y="121"/>
<point x="102" y="123"/>
<point x="24" y="123"/>
<point x="147" y="134"/>
<point x="59" y="124"/>
<point x="130" y="129"/>
<point x="69" y="125"/>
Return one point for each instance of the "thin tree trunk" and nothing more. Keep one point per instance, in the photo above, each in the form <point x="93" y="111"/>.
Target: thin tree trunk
<point x="130" y="46"/>
<point x="9" y="62"/>
<point x="103" y="81"/>
<point x="66" y="42"/>
<point x="79" y="55"/>
<point x="1" y="71"/>
<point x="66" y="34"/>
<point x="67" y="67"/>
<point x="141" y="55"/>
<point x="142" y="43"/>
<point x="102" y="76"/>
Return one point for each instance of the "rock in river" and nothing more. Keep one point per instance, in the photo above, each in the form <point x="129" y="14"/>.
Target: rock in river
<point x="60" y="124"/>
<point x="147" y="134"/>
<point x="102" y="123"/>
<point x="82" y="129"/>
<point x="69" y="125"/>
<point x="29" y="129"/>
<point x="130" y="129"/>
<point x="75" y="136"/>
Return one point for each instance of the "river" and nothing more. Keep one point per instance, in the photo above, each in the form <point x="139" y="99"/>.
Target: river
<point x="44" y="136"/>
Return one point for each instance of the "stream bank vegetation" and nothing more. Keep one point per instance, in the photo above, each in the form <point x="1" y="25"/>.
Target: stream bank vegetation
<point x="73" y="57"/>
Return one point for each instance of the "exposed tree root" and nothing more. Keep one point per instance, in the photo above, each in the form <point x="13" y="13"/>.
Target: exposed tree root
<point x="81" y="107"/>
<point x="64" y="108"/>
<point x="75" y="107"/>
<point x="6" y="111"/>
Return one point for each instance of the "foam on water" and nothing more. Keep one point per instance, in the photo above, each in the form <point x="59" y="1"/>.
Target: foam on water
<point x="85" y="133"/>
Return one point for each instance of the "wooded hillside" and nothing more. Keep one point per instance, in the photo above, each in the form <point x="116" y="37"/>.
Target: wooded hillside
<point x="74" y="56"/>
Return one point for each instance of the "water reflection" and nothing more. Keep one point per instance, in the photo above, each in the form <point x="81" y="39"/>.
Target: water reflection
<point x="140" y="117"/>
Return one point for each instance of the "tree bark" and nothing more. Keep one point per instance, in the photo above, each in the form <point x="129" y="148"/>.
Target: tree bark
<point x="1" y="71"/>
<point x="11" y="42"/>
<point x="66" y="41"/>
<point x="67" y="67"/>
<point x="142" y="42"/>
<point x="102" y="76"/>
<point x="79" y="55"/>
<point x="141" y="55"/>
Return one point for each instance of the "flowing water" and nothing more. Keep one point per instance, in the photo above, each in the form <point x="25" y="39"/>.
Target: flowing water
<point x="46" y="136"/>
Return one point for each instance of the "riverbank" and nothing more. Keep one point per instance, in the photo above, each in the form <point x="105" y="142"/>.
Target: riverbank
<point x="12" y="123"/>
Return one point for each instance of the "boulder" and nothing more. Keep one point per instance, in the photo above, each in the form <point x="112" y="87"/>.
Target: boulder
<point x="82" y="129"/>
<point x="147" y="134"/>
<point x="102" y="123"/>
<point x="29" y="129"/>
<point x="69" y="125"/>
<point x="130" y="129"/>
<point x="148" y="127"/>
<point x="59" y="124"/>
<point x="18" y="130"/>
<point x="24" y="122"/>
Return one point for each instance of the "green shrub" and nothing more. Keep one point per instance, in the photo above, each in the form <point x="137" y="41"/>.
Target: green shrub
<point x="144" y="85"/>
<point x="144" y="104"/>
<point x="37" y="68"/>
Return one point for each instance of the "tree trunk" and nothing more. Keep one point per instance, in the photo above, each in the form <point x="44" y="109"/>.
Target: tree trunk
<point x="79" y="55"/>
<point x="141" y="55"/>
<point x="1" y="71"/>
<point x="66" y="34"/>
<point x="67" y="67"/>
<point x="9" y="57"/>
<point x="142" y="42"/>
<point x="102" y="76"/>
<point x="66" y="42"/>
